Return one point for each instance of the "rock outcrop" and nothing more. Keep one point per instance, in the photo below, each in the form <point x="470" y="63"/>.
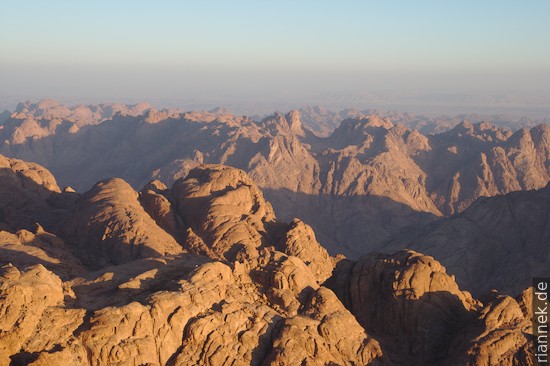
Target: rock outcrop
<point x="109" y="226"/>
<point x="420" y="316"/>
<point x="498" y="336"/>
<point x="299" y="241"/>
<point x="27" y="193"/>
<point x="156" y="200"/>
<point x="225" y="209"/>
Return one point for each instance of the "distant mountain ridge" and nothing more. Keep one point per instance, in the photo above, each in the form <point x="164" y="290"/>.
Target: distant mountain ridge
<point x="322" y="121"/>
<point x="318" y="119"/>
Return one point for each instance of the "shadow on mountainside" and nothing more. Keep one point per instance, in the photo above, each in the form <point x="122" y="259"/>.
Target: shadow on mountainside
<point x="498" y="242"/>
<point x="352" y="226"/>
<point x="126" y="147"/>
<point x="418" y="331"/>
<point x="24" y="202"/>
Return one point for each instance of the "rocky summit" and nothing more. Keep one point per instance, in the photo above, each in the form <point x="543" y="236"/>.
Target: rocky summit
<point x="204" y="273"/>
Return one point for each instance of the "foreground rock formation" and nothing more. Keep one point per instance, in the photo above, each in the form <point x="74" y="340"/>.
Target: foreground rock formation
<point x="357" y="187"/>
<point x="415" y="309"/>
<point x="204" y="274"/>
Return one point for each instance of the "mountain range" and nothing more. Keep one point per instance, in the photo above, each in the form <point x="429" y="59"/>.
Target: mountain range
<point x="358" y="187"/>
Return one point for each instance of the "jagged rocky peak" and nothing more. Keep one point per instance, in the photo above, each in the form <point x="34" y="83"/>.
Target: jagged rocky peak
<point x="285" y="124"/>
<point x="465" y="125"/>
<point x="322" y="121"/>
<point x="41" y="106"/>
<point x="521" y="139"/>
<point x="45" y="104"/>
<point x="355" y="130"/>
<point x="293" y="118"/>
<point x="484" y="131"/>
<point x="142" y="107"/>
<point x="153" y="116"/>
<point x="368" y="121"/>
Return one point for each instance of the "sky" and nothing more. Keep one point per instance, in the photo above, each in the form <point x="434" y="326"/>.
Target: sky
<point x="231" y="52"/>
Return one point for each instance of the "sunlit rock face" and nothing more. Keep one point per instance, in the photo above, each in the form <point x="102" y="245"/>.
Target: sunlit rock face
<point x="204" y="273"/>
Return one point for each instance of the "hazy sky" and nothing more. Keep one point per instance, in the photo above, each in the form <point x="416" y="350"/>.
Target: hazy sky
<point x="262" y="50"/>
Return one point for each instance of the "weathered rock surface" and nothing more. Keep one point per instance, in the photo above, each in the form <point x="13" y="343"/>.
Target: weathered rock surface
<point x="179" y="312"/>
<point x="31" y="317"/>
<point x="113" y="285"/>
<point x="299" y="241"/>
<point x="324" y="333"/>
<point x="109" y="226"/>
<point x="224" y="208"/>
<point x="415" y="309"/>
<point x="229" y="218"/>
<point x="499" y="336"/>
<point x="24" y="248"/>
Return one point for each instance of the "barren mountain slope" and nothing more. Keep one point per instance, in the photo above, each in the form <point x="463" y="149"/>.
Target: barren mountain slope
<point x="497" y="243"/>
